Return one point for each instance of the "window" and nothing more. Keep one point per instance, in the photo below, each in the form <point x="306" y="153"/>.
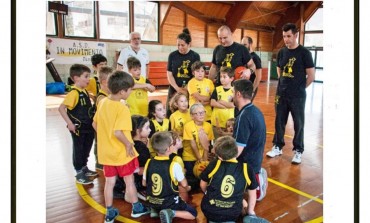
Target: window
<point x="80" y="19"/>
<point x="50" y="22"/>
<point x="313" y="40"/>
<point x="114" y="20"/>
<point x="315" y="22"/>
<point x="146" y="20"/>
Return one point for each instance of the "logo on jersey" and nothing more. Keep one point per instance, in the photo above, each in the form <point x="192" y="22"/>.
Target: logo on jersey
<point x="183" y="71"/>
<point x="288" y="68"/>
<point x="227" y="61"/>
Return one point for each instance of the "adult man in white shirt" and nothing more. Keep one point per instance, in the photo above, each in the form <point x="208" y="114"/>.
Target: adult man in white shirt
<point x="134" y="50"/>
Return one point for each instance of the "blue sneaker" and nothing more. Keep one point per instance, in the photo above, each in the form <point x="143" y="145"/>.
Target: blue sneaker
<point x="143" y="211"/>
<point x="254" y="219"/>
<point x="110" y="219"/>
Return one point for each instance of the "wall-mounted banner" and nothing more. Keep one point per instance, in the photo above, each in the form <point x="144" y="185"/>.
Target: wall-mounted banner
<point x="73" y="51"/>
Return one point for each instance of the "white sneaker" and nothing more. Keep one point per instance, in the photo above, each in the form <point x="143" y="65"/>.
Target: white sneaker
<point x="275" y="151"/>
<point x="153" y="213"/>
<point x="263" y="183"/>
<point x="297" y="158"/>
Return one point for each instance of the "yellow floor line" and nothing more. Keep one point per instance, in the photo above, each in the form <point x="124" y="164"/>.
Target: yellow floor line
<point x="97" y="206"/>
<point x="296" y="191"/>
<point x="316" y="220"/>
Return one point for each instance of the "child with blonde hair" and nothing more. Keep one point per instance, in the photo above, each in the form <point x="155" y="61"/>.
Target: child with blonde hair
<point x="198" y="133"/>
<point x="179" y="106"/>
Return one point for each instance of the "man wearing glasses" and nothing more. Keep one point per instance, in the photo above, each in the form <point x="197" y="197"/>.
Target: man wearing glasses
<point x="134" y="50"/>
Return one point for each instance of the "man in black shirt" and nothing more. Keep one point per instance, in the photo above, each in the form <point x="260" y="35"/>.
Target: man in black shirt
<point x="257" y="75"/>
<point x="296" y="72"/>
<point x="229" y="54"/>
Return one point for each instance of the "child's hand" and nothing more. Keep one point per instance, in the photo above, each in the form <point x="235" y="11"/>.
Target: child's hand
<point x="150" y="87"/>
<point x="71" y="127"/>
<point x="130" y="150"/>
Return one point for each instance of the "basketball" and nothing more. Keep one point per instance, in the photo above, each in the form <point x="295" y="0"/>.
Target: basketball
<point x="238" y="72"/>
<point x="199" y="167"/>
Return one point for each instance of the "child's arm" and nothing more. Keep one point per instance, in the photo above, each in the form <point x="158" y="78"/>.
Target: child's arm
<point x="185" y="185"/>
<point x="94" y="125"/>
<point x="227" y="104"/>
<point x="194" y="147"/>
<point x="201" y="98"/>
<point x="252" y="195"/>
<point x="122" y="138"/>
<point x="203" y="139"/>
<point x="203" y="185"/>
<point x="63" y="111"/>
<point x="216" y="104"/>
<point x="146" y="86"/>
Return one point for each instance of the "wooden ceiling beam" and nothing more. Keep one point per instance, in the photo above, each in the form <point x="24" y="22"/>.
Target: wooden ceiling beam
<point x="164" y="10"/>
<point x="189" y="10"/>
<point x="279" y="12"/>
<point x="294" y="16"/>
<point x="250" y="26"/>
<point x="224" y="2"/>
<point x="235" y="14"/>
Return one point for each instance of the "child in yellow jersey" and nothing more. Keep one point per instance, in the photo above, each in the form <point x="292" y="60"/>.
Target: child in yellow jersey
<point x="103" y="73"/>
<point x="77" y="112"/>
<point x="138" y="99"/>
<point x="158" y="120"/>
<point x="222" y="100"/>
<point x="97" y="61"/>
<point x="180" y="115"/>
<point x="200" y="88"/>
<point x="112" y="123"/>
<point x="199" y="133"/>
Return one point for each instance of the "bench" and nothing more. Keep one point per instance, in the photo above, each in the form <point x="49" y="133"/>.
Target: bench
<point x="158" y="73"/>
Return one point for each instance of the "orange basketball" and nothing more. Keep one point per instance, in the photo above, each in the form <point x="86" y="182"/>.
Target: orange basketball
<point x="199" y="167"/>
<point x="238" y="72"/>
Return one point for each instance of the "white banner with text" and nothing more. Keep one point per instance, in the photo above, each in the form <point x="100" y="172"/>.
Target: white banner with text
<point x="73" y="51"/>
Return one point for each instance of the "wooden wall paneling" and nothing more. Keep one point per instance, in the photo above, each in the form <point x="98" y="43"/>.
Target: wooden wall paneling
<point x="197" y="31"/>
<point x="265" y="41"/>
<point x="237" y="35"/>
<point x="173" y="26"/>
<point x="212" y="38"/>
